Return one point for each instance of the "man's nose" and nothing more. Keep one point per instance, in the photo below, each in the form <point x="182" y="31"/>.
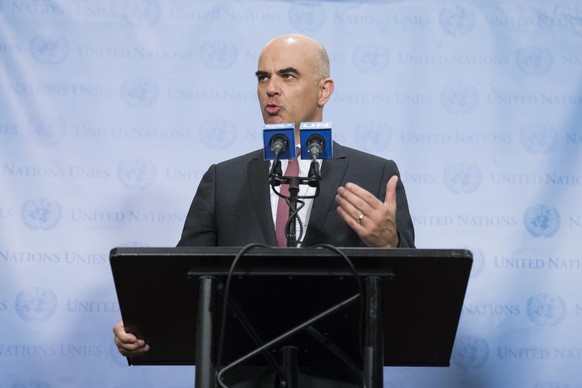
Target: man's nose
<point x="272" y="87"/>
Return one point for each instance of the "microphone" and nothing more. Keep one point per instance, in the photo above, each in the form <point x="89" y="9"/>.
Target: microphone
<point x="279" y="141"/>
<point x="316" y="140"/>
<point x="315" y="145"/>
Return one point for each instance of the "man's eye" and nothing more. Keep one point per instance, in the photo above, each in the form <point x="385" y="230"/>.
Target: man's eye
<point x="288" y="76"/>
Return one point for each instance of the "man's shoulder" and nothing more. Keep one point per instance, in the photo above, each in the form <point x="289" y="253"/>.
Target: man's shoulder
<point x="237" y="160"/>
<point x="341" y="151"/>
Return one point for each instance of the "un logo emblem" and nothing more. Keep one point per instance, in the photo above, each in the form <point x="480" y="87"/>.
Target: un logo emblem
<point x="373" y="135"/>
<point x="306" y="17"/>
<point x="546" y="309"/>
<point x="541" y="221"/>
<point x="217" y="133"/>
<point x="462" y="177"/>
<point x="136" y="173"/>
<point x="459" y="98"/>
<point x="31" y="383"/>
<point x="142" y="13"/>
<point x="534" y="60"/>
<point x="139" y="92"/>
<point x="538" y="138"/>
<point x="218" y="54"/>
<point x="36" y="304"/>
<point x="371" y="58"/>
<point x="471" y="352"/>
<point x="40" y="213"/>
<point x="46" y="130"/>
<point x="457" y="19"/>
<point x="49" y="49"/>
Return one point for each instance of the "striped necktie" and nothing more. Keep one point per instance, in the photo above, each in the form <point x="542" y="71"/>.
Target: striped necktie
<point x="282" y="208"/>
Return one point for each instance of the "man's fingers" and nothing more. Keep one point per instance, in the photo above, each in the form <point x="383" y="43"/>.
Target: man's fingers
<point x="359" y="197"/>
<point x="121" y="335"/>
<point x="351" y="207"/>
<point x="127" y="343"/>
<point x="390" y="199"/>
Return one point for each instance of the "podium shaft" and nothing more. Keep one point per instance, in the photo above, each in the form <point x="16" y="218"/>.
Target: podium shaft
<point x="205" y="373"/>
<point x="289" y="355"/>
<point x="373" y="341"/>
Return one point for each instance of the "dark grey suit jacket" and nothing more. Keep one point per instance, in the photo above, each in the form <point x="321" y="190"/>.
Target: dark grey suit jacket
<point x="232" y="204"/>
<point x="232" y="208"/>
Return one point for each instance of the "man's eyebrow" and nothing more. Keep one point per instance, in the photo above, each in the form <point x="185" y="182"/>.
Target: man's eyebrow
<point x="289" y="70"/>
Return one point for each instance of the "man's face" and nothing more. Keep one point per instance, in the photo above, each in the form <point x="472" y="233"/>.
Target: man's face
<point x="287" y="86"/>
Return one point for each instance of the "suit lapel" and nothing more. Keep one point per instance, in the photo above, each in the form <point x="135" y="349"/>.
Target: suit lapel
<point x="332" y="174"/>
<point x="258" y="172"/>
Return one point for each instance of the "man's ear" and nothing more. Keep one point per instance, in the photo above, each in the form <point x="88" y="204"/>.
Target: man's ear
<point x="326" y="87"/>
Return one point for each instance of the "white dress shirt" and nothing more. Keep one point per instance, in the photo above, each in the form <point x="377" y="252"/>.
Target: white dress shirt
<point x="304" y="190"/>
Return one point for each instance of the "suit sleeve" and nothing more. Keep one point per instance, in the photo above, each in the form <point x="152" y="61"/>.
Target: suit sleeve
<point x="200" y="226"/>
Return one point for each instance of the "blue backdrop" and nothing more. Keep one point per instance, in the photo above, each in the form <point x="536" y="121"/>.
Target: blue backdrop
<point x="111" y="110"/>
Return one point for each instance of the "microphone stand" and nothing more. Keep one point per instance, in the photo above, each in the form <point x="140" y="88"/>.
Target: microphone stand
<point x="291" y="227"/>
<point x="277" y="179"/>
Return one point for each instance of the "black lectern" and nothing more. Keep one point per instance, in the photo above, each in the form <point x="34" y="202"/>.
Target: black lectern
<point x="308" y="309"/>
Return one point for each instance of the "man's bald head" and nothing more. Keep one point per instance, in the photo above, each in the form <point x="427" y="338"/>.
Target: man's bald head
<point x="313" y="47"/>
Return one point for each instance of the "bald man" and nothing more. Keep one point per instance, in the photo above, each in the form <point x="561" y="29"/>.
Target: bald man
<point x="361" y="203"/>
